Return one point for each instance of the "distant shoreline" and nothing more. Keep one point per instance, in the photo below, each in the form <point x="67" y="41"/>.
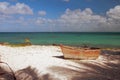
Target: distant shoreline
<point x="79" y="46"/>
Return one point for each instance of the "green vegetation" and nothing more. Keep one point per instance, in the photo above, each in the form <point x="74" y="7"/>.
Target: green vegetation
<point x="26" y="43"/>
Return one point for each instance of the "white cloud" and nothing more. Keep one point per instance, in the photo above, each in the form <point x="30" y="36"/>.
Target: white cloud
<point x="43" y="21"/>
<point x="86" y="20"/>
<point x="78" y="20"/>
<point x="3" y="5"/>
<point x="71" y="20"/>
<point x="113" y="18"/>
<point x="3" y="18"/>
<point x="114" y="13"/>
<point x="19" y="8"/>
<point x="42" y="13"/>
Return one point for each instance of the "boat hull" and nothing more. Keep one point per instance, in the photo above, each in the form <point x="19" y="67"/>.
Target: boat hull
<point x="84" y="54"/>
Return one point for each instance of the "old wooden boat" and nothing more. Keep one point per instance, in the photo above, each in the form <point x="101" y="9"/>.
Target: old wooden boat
<point x="80" y="53"/>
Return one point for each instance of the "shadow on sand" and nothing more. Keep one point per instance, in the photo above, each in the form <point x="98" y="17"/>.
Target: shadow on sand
<point x="6" y="73"/>
<point x="96" y="71"/>
<point x="28" y="73"/>
<point x="91" y="70"/>
<point x="60" y="57"/>
<point x="106" y="71"/>
<point x="88" y="70"/>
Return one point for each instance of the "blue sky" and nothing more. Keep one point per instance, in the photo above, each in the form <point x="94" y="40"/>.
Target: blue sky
<point x="59" y="15"/>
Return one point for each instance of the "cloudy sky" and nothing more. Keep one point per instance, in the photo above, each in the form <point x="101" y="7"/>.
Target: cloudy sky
<point x="59" y="15"/>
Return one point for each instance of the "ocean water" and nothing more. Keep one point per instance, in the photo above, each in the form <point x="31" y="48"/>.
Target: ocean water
<point x="94" y="39"/>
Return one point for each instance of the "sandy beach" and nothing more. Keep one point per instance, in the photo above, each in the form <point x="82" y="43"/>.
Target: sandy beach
<point x="39" y="62"/>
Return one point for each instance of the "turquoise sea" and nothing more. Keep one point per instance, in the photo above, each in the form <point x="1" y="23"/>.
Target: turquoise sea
<point x="95" y="39"/>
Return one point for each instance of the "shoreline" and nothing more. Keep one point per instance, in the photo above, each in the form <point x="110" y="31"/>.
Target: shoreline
<point x="54" y="44"/>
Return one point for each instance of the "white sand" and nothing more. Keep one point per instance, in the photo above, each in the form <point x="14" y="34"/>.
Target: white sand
<point x="45" y="59"/>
